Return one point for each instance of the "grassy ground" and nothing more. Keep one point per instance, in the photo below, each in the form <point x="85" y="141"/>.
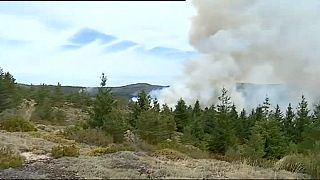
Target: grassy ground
<point x="122" y="164"/>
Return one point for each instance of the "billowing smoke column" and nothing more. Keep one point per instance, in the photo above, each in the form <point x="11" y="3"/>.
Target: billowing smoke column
<point x="251" y="41"/>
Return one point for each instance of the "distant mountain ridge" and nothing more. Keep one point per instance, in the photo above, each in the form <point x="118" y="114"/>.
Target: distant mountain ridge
<point x="132" y="90"/>
<point x="127" y="91"/>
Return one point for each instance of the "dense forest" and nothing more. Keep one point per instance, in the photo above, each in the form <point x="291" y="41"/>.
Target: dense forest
<point x="262" y="136"/>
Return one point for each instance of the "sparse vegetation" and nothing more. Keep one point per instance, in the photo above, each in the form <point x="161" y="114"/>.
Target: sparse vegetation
<point x="17" y="124"/>
<point x="112" y="148"/>
<point x="65" y="150"/>
<point x="170" y="154"/>
<point x="89" y="136"/>
<point x="9" y="158"/>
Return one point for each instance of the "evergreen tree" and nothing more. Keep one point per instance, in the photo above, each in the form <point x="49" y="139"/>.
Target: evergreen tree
<point x="223" y="136"/>
<point x="302" y="119"/>
<point x="156" y="105"/>
<point x="166" y="109"/>
<point x="288" y="124"/>
<point x="154" y="127"/>
<point x="102" y="105"/>
<point x="242" y="127"/>
<point x="196" y="112"/>
<point x="143" y="104"/>
<point x="274" y="141"/>
<point x="311" y="142"/>
<point x="7" y="91"/>
<point x="266" y="108"/>
<point x="181" y="115"/>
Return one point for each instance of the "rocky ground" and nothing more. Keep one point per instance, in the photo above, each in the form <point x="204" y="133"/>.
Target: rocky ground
<point x="36" y="147"/>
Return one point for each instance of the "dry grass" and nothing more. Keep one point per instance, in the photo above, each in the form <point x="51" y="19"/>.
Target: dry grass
<point x="170" y="154"/>
<point x="65" y="150"/>
<point x="9" y="157"/>
<point x="112" y="148"/>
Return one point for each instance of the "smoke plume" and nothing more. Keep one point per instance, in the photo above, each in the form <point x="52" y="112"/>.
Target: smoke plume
<point x="251" y="41"/>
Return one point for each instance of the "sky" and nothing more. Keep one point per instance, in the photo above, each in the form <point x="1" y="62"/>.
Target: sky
<point x="74" y="42"/>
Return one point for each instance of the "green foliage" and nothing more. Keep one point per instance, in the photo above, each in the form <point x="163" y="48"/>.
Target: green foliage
<point x="65" y="150"/>
<point x="143" y="104"/>
<point x="254" y="148"/>
<point x="102" y="105"/>
<point x="181" y="115"/>
<point x="274" y="140"/>
<point x="223" y="134"/>
<point x="115" y="125"/>
<point x="300" y="163"/>
<point x="294" y="163"/>
<point x="10" y="158"/>
<point x="154" y="127"/>
<point x="189" y="150"/>
<point x="288" y="124"/>
<point x="170" y="154"/>
<point x="89" y="136"/>
<point x="47" y="114"/>
<point x="302" y="120"/>
<point x="112" y="148"/>
<point x="7" y="91"/>
<point x="17" y="124"/>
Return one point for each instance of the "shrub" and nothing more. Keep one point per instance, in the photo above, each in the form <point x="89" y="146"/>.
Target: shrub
<point x="89" y="136"/>
<point x="65" y="150"/>
<point x="15" y="124"/>
<point x="9" y="158"/>
<point x="189" y="150"/>
<point x="313" y="165"/>
<point x="293" y="163"/>
<point x="112" y="148"/>
<point x="309" y="164"/>
<point x="170" y="154"/>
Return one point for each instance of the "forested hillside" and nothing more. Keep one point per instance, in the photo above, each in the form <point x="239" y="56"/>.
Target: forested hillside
<point x="264" y="136"/>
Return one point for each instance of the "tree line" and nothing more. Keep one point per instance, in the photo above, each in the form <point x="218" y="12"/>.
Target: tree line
<point x="264" y="132"/>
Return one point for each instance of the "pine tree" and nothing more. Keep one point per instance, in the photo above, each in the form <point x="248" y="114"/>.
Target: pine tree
<point x="223" y="136"/>
<point x="154" y="127"/>
<point x="288" y="124"/>
<point x="243" y="127"/>
<point x="311" y="142"/>
<point x="302" y="119"/>
<point x="166" y="109"/>
<point x="266" y="108"/>
<point x="181" y="115"/>
<point x="143" y="104"/>
<point x="196" y="112"/>
<point x="7" y="91"/>
<point x="156" y="105"/>
<point x="278" y="115"/>
<point x="103" y="104"/>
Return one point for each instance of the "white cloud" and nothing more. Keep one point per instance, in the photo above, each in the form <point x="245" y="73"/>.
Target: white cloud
<point x="43" y="27"/>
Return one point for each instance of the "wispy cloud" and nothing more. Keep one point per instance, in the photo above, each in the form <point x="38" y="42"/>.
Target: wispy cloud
<point x="73" y="43"/>
<point x="87" y="35"/>
<point x="120" y="46"/>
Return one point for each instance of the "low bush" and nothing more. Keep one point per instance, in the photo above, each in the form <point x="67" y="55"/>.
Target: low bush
<point x="65" y="150"/>
<point x="293" y="163"/>
<point x="17" y="124"/>
<point x="313" y="165"/>
<point x="9" y="158"/>
<point x="88" y="136"/>
<point x="189" y="150"/>
<point x="170" y="154"/>
<point x="112" y="148"/>
<point x="309" y="164"/>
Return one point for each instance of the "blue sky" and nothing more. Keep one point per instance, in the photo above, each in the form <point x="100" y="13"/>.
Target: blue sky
<point x="74" y="42"/>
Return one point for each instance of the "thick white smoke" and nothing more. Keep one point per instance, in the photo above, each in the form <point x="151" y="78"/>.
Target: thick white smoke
<point x="252" y="41"/>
